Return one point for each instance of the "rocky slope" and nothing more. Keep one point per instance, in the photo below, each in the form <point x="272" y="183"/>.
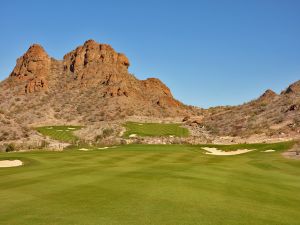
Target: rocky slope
<point x="90" y="84"/>
<point x="271" y="114"/>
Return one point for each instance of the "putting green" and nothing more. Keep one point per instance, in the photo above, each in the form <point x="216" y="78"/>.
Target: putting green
<point x="151" y="185"/>
<point x="61" y="133"/>
<point x="155" y="129"/>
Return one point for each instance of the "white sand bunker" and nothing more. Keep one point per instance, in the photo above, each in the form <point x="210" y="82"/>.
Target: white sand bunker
<point x="132" y="135"/>
<point x="215" y="151"/>
<point x="269" y="150"/>
<point x="10" y="163"/>
<point x="107" y="147"/>
<point x="140" y="124"/>
<point x="71" y="128"/>
<point x="83" y="149"/>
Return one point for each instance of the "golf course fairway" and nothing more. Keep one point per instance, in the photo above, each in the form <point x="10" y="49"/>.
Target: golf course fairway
<point x="151" y="185"/>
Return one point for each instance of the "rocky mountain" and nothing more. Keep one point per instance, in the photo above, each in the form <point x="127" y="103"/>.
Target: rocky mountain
<point x="90" y="84"/>
<point x="93" y="76"/>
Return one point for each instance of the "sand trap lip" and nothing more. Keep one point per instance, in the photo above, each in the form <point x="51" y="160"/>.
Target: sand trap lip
<point x="215" y="151"/>
<point x="10" y="163"/>
<point x="106" y="147"/>
<point x="269" y="150"/>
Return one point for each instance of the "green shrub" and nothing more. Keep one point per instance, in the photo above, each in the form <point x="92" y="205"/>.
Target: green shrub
<point x="107" y="132"/>
<point x="10" y="148"/>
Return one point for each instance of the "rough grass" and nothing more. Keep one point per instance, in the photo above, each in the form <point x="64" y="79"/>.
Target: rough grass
<point x="61" y="133"/>
<point x="151" y="185"/>
<point x="155" y="129"/>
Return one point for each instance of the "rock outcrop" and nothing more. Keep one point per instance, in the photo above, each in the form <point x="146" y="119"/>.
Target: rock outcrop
<point x="93" y="64"/>
<point x="32" y="70"/>
<point x="293" y="88"/>
<point x="268" y="95"/>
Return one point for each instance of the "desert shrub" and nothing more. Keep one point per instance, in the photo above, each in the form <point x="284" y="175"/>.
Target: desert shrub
<point x="44" y="144"/>
<point x="279" y="119"/>
<point x="107" y="132"/>
<point x="297" y="120"/>
<point x="10" y="148"/>
<point x="98" y="138"/>
<point x="212" y="129"/>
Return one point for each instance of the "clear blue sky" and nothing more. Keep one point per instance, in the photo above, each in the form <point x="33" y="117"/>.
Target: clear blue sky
<point x="209" y="52"/>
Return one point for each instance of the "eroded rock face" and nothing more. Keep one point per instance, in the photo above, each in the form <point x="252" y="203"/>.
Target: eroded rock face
<point x="32" y="69"/>
<point x="159" y="92"/>
<point x="95" y="63"/>
<point x="156" y="85"/>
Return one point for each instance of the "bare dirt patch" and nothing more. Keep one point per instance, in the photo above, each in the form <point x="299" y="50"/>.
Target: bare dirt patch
<point x="291" y="155"/>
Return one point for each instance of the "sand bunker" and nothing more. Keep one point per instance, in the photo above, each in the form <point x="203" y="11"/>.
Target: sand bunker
<point x="215" y="151"/>
<point x="269" y="150"/>
<point x="10" y="163"/>
<point x="107" y="147"/>
<point x="132" y="135"/>
<point x="71" y="128"/>
<point x="83" y="149"/>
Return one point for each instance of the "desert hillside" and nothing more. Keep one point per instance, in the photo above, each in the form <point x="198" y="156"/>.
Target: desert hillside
<point x="92" y="85"/>
<point x="271" y="114"/>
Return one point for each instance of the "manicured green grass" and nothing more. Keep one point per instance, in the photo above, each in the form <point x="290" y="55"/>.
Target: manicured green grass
<point x="61" y="133"/>
<point x="151" y="185"/>
<point x="155" y="129"/>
